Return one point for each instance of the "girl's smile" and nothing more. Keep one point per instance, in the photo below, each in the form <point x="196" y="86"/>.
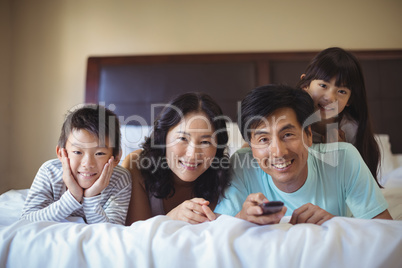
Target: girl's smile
<point x="330" y="99"/>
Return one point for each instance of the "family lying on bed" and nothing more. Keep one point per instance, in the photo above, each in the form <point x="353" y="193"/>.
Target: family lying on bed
<point x="183" y="170"/>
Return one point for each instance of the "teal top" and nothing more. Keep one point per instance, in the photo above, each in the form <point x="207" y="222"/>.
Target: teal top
<point x="338" y="181"/>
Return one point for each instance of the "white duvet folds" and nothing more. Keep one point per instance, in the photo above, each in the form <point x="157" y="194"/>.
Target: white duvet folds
<point x="226" y="242"/>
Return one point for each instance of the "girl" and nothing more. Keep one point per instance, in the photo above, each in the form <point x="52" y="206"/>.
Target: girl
<point x="334" y="80"/>
<point x="182" y="169"/>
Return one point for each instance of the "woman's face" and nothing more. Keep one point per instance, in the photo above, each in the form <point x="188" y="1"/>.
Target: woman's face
<point x="191" y="146"/>
<point x="328" y="98"/>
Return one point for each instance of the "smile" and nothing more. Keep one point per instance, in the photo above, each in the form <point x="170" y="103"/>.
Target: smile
<point x="189" y="165"/>
<point x="87" y="174"/>
<point x="283" y="165"/>
<point x="326" y="108"/>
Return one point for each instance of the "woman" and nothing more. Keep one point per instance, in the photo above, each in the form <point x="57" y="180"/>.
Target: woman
<point x="182" y="169"/>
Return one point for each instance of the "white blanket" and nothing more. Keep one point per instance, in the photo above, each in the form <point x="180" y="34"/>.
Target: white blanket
<point x="226" y="242"/>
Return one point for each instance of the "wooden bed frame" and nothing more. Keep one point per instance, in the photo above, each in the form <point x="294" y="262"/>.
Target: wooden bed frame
<point x="132" y="84"/>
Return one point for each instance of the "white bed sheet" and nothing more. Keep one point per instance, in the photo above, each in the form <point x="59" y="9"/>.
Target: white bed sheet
<point x="226" y="242"/>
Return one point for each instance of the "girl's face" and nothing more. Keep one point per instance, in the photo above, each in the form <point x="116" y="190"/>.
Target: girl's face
<point x="328" y="98"/>
<point x="191" y="146"/>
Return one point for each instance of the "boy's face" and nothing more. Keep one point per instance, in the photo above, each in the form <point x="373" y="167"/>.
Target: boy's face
<point x="280" y="146"/>
<point x="87" y="157"/>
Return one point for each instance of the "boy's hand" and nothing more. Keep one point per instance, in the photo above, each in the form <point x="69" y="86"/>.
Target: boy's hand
<point x="252" y="212"/>
<point x="69" y="179"/>
<point x="103" y="181"/>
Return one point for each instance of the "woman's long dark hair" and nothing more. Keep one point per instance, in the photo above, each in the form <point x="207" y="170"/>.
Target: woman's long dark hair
<point x="157" y="175"/>
<point x="344" y="66"/>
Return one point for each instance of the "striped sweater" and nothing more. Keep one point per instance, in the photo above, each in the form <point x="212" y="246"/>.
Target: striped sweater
<point x="49" y="200"/>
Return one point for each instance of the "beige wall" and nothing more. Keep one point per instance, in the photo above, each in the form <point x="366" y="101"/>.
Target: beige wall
<point x="50" y="41"/>
<point x="5" y="90"/>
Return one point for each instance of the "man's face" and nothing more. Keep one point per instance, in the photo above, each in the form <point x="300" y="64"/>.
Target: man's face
<point x="280" y="145"/>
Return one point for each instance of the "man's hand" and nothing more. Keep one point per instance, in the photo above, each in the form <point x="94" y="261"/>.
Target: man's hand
<point x="68" y="178"/>
<point x="252" y="212"/>
<point x="103" y="181"/>
<point x="193" y="211"/>
<point x="309" y="213"/>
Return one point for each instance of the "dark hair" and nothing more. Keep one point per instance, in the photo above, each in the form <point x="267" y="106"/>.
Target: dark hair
<point x="344" y="66"/>
<point x="263" y="101"/>
<point x="158" y="177"/>
<point x="95" y="119"/>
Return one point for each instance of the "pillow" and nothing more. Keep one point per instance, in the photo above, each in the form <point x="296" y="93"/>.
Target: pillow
<point x="132" y="137"/>
<point x="235" y="141"/>
<point x="388" y="161"/>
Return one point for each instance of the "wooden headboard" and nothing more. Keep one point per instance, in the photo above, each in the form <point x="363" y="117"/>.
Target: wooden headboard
<point x="133" y="83"/>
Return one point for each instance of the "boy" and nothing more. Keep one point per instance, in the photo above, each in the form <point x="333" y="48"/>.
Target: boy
<point x="85" y="180"/>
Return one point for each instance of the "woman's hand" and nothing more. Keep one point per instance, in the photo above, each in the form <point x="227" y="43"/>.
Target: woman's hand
<point x="193" y="211"/>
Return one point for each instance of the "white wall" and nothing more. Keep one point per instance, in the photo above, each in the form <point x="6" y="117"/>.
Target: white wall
<point x="50" y="41"/>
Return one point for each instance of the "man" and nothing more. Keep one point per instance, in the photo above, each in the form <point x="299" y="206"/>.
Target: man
<point x="315" y="182"/>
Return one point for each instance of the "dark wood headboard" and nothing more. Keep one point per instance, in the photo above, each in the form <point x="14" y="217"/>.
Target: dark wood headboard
<point x="133" y="83"/>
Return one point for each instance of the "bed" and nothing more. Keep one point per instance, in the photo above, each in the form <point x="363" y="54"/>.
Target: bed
<point x="131" y="86"/>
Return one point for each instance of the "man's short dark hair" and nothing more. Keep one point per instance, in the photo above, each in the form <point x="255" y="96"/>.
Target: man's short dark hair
<point x="262" y="101"/>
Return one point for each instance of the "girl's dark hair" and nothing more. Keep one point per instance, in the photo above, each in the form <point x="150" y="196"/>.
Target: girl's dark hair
<point x="95" y="119"/>
<point x="158" y="177"/>
<point x="344" y="66"/>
